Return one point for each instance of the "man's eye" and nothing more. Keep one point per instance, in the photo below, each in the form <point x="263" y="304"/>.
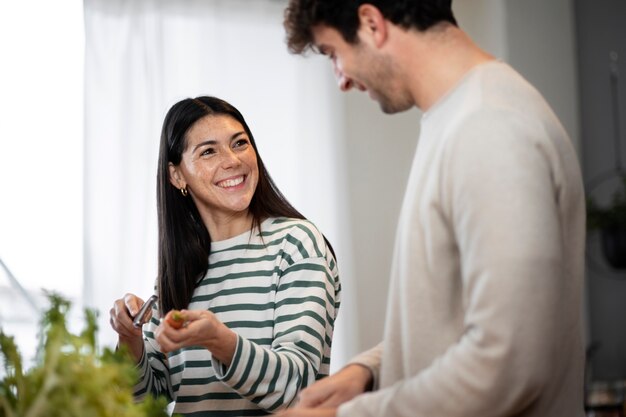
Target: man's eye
<point x="329" y="54"/>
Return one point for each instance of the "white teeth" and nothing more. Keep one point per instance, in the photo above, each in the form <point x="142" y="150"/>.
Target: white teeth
<point x="231" y="183"/>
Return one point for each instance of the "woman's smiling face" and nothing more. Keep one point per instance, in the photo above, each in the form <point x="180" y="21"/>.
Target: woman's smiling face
<point x="218" y="167"/>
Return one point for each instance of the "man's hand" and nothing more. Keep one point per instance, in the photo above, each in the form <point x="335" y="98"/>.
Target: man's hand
<point x="311" y="412"/>
<point x="322" y="398"/>
<point x="336" y="389"/>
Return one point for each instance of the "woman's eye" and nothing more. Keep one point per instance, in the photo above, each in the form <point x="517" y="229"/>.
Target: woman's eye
<point x="207" y="151"/>
<point x="240" y="142"/>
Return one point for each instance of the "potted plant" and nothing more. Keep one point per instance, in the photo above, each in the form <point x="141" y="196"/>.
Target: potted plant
<point x="610" y="222"/>
<point x="71" y="377"/>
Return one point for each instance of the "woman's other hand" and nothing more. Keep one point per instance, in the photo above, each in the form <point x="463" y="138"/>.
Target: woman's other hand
<point x="201" y="328"/>
<point x="121" y="319"/>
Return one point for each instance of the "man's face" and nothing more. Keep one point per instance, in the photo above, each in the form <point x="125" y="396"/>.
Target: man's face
<point x="363" y="67"/>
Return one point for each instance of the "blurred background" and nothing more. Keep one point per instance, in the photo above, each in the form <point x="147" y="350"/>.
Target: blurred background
<point x="84" y="87"/>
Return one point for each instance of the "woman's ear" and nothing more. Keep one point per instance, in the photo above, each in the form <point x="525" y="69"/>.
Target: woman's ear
<point x="176" y="177"/>
<point x="372" y="24"/>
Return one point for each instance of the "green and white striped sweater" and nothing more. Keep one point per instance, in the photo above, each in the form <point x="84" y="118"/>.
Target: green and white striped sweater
<point x="279" y="291"/>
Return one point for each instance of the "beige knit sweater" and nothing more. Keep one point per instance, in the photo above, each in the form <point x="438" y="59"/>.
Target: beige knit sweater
<point x="484" y="312"/>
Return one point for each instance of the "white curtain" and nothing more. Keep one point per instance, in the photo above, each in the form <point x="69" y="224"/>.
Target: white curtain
<point x="144" y="55"/>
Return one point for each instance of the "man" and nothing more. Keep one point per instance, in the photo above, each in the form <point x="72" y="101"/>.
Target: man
<point x="484" y="309"/>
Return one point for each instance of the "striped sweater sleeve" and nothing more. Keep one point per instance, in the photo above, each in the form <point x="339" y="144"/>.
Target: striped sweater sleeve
<point x="305" y="309"/>
<point x="153" y="367"/>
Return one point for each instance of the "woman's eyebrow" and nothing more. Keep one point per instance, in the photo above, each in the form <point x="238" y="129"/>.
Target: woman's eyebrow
<point x="237" y="134"/>
<point x="204" y="143"/>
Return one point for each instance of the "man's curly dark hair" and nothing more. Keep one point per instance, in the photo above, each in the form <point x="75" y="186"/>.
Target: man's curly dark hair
<point x="302" y="15"/>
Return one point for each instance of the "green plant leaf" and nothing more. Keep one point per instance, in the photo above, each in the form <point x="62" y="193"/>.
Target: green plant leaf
<point x="70" y="377"/>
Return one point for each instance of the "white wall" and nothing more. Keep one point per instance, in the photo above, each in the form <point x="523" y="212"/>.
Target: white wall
<point x="541" y="45"/>
<point x="485" y="22"/>
<point x="379" y="150"/>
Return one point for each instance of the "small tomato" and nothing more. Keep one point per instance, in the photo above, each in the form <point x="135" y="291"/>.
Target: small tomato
<point x="175" y="318"/>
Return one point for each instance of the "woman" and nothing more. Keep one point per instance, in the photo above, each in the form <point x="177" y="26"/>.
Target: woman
<point x="256" y="282"/>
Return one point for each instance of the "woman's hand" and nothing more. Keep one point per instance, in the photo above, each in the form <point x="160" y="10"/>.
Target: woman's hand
<point x="121" y="319"/>
<point x="201" y="328"/>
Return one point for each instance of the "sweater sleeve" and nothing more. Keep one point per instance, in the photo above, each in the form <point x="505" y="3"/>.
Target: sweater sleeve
<point x="371" y="359"/>
<point x="153" y="367"/>
<point x="307" y="298"/>
<point x="502" y="193"/>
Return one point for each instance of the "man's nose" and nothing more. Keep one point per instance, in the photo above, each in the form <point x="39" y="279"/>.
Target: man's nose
<point x="344" y="82"/>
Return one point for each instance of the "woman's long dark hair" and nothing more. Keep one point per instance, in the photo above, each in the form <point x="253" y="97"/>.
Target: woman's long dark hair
<point x="184" y="241"/>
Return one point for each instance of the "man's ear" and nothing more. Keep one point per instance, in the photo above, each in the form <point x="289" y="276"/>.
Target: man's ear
<point x="372" y="24"/>
<point x="176" y="177"/>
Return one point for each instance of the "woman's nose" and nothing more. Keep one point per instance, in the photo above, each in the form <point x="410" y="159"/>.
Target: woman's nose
<point x="230" y="159"/>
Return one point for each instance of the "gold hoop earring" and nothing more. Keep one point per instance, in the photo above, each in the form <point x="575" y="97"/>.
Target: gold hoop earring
<point x="183" y="191"/>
